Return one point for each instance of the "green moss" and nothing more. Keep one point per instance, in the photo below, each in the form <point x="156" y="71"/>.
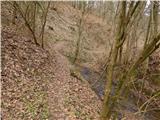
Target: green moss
<point x="37" y="106"/>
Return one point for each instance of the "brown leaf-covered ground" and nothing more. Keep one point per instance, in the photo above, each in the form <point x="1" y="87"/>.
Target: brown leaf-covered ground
<point x="25" y="72"/>
<point x="37" y="84"/>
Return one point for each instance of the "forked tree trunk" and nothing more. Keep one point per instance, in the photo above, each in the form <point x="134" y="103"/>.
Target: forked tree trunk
<point x="124" y="24"/>
<point x="106" y="107"/>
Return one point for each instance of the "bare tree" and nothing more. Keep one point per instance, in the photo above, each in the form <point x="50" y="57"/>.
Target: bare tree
<point x="44" y="23"/>
<point x="126" y="20"/>
<point x="80" y="29"/>
<point x="31" y="12"/>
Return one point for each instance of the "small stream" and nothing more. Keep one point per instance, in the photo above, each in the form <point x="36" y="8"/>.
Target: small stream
<point x="93" y="79"/>
<point x="97" y="82"/>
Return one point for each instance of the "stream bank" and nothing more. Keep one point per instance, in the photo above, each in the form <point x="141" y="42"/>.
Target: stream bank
<point x="97" y="81"/>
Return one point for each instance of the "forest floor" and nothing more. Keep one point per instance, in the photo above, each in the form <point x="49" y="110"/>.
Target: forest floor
<point x="34" y="79"/>
<point x="69" y="97"/>
<point x="37" y="83"/>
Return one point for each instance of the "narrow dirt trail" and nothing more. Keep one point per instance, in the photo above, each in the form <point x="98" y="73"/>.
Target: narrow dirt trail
<point x="59" y="85"/>
<point x="68" y="97"/>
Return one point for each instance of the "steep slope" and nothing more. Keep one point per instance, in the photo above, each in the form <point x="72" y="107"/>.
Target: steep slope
<point x="70" y="98"/>
<point x="62" y="25"/>
<point x="36" y="84"/>
<point x="25" y="73"/>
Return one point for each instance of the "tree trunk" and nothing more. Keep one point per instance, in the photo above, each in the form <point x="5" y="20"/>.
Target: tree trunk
<point x="106" y="107"/>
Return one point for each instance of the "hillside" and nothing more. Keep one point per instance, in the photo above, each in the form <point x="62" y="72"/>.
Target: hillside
<point x="37" y="84"/>
<point x="25" y="75"/>
<point x="45" y="84"/>
<point x="62" y="26"/>
<point x="32" y="80"/>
